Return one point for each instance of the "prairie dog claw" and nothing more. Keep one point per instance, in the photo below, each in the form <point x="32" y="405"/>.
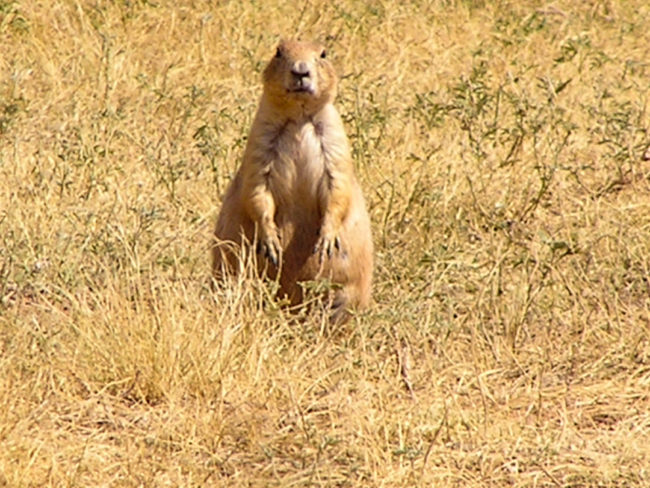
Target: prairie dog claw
<point x="269" y="247"/>
<point x="327" y="246"/>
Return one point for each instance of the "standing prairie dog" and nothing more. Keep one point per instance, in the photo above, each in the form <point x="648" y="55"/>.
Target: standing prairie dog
<point x="295" y="196"/>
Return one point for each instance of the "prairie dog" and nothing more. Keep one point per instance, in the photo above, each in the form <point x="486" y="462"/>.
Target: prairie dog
<point x="295" y="196"/>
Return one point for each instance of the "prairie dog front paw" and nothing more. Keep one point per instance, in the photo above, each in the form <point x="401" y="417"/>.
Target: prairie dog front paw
<point x="269" y="247"/>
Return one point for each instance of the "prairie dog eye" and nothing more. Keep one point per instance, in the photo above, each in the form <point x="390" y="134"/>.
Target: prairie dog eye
<point x="323" y="54"/>
<point x="278" y="53"/>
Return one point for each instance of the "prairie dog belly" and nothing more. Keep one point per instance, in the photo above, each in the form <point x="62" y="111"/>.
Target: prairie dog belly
<point x="298" y="170"/>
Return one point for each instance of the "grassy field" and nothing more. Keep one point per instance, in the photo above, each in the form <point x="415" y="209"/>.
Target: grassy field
<point x="504" y="151"/>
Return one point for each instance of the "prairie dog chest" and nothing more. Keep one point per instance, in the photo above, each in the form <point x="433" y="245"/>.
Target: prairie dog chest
<point x="301" y="161"/>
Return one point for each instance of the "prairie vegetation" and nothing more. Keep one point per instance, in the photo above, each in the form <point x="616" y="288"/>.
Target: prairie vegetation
<point x="503" y="148"/>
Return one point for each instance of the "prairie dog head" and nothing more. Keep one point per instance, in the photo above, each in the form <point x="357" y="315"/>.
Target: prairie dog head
<point x="299" y="74"/>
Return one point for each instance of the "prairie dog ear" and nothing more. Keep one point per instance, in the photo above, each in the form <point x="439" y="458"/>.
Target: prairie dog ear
<point x="279" y="49"/>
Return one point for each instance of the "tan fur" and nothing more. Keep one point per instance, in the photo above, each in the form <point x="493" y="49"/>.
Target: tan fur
<point x="295" y="194"/>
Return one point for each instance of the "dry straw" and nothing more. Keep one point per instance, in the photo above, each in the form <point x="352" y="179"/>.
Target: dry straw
<point x="503" y="150"/>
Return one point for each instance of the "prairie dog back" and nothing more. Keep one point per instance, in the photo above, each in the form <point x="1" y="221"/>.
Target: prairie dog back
<point x="295" y="196"/>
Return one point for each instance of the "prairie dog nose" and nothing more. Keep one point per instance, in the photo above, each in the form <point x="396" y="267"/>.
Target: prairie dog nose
<point x="300" y="69"/>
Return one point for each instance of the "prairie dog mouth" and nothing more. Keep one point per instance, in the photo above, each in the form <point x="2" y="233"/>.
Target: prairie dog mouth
<point x="302" y="89"/>
<point x="302" y="85"/>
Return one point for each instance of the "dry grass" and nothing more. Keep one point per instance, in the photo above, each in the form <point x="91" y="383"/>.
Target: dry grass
<point x="503" y="149"/>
